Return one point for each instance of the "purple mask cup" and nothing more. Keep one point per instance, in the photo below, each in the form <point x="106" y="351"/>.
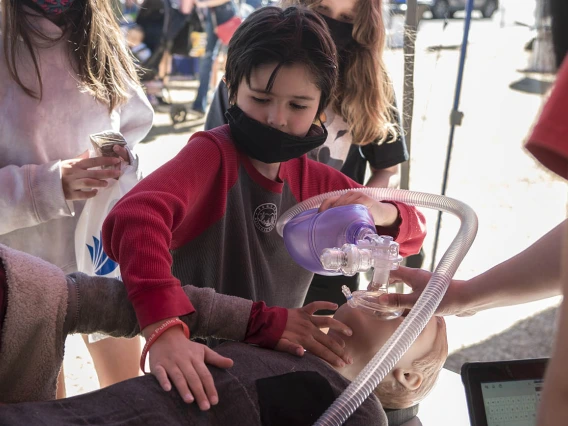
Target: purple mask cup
<point x="309" y="233"/>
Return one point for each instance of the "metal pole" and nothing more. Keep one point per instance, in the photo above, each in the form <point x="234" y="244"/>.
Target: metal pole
<point x="456" y="117"/>
<point x="410" y="28"/>
<point x="542" y="55"/>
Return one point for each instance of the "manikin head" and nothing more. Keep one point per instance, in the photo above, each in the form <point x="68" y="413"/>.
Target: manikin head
<point x="415" y="374"/>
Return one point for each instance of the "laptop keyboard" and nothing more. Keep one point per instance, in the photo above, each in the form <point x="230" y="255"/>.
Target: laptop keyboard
<point x="511" y="403"/>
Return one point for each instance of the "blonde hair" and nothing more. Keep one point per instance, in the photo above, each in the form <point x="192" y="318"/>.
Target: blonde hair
<point x="103" y="63"/>
<point x="364" y="95"/>
<point x="394" y="395"/>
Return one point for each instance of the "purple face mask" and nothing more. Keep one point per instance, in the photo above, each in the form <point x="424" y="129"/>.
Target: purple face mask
<point x="53" y="7"/>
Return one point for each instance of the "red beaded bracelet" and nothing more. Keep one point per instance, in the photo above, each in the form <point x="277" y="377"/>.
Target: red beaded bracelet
<point x="157" y="333"/>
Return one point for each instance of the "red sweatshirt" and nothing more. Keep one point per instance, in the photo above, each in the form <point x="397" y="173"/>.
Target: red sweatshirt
<point x="549" y="139"/>
<point x="207" y="218"/>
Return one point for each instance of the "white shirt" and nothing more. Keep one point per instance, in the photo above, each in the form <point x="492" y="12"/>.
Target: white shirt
<point x="35" y="136"/>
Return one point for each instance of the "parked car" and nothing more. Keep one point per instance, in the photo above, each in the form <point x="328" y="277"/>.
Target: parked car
<point x="446" y="8"/>
<point x="399" y="6"/>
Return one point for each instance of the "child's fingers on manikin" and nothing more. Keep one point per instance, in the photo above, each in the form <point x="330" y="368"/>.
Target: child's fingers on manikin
<point x="285" y="345"/>
<point x="160" y="373"/>
<point x="196" y="386"/>
<point x="331" y="323"/>
<point x="324" y="352"/>
<point x="313" y="307"/>
<point x="329" y="343"/>
<point x="208" y="383"/>
<point x="213" y="358"/>
<point x="180" y="382"/>
<point x="341" y="342"/>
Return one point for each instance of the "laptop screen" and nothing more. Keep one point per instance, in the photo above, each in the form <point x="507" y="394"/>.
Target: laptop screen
<point x="511" y="403"/>
<point x="504" y="393"/>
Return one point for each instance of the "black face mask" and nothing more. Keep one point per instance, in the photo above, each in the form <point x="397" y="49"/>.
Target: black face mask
<point x="341" y="33"/>
<point x="267" y="144"/>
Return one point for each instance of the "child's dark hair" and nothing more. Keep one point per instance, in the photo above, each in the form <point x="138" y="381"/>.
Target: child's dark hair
<point x="294" y="35"/>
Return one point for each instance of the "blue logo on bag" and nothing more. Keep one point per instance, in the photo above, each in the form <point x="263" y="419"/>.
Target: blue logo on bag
<point x="103" y="264"/>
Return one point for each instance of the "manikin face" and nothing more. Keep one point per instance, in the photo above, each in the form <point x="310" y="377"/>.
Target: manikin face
<point x="290" y="106"/>
<point x="340" y="10"/>
<point x="370" y="334"/>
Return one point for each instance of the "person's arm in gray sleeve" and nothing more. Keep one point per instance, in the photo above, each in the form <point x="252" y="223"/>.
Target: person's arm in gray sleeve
<point x="220" y="104"/>
<point x="98" y="304"/>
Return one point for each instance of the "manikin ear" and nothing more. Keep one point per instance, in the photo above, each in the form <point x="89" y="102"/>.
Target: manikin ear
<point x="410" y="379"/>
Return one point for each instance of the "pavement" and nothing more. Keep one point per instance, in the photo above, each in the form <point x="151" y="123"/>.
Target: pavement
<point x="517" y="201"/>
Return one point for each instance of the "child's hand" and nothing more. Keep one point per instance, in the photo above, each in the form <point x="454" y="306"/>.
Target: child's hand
<point x="303" y="332"/>
<point x="80" y="183"/>
<point x="173" y="358"/>
<point x="122" y="152"/>
<point x="384" y="214"/>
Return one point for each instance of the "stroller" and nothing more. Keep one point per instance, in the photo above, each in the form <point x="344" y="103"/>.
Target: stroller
<point x="166" y="30"/>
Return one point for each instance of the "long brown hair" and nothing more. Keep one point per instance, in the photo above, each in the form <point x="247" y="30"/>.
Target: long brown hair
<point x="96" y="47"/>
<point x="364" y="96"/>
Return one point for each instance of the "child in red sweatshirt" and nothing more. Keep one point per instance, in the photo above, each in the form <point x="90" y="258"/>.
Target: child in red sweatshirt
<point x="207" y="217"/>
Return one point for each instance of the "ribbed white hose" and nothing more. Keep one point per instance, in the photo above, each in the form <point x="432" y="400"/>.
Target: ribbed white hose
<point x="425" y="307"/>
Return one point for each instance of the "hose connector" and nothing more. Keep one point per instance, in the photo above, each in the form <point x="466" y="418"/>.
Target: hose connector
<point x="374" y="251"/>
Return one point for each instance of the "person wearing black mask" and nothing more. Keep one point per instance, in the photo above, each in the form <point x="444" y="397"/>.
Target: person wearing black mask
<point x="362" y="121"/>
<point x="210" y="213"/>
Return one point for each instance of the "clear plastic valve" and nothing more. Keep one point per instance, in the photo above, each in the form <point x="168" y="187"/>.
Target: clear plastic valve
<point x="378" y="252"/>
<point x="348" y="259"/>
<point x="372" y="251"/>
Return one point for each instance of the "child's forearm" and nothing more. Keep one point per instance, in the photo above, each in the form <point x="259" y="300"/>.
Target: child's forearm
<point x="531" y="275"/>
